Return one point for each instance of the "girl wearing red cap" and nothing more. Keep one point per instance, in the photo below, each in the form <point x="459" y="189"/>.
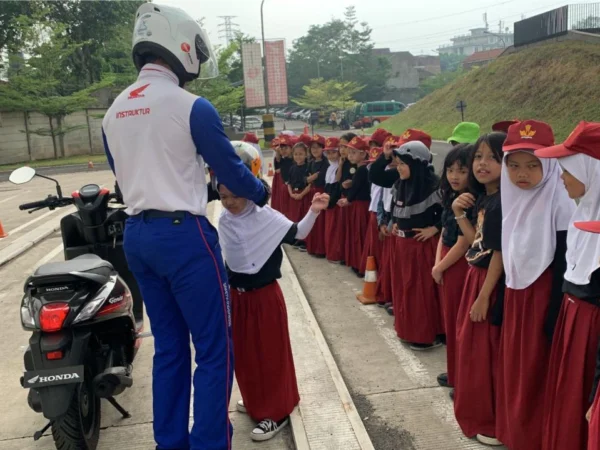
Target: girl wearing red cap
<point x="317" y="168"/>
<point x="478" y="333"/>
<point x="416" y="216"/>
<point x="344" y="176"/>
<point x="299" y="188"/>
<point x="450" y="263"/>
<point x="286" y="162"/>
<point x="536" y="213"/>
<point x="357" y="201"/>
<point x="572" y="357"/>
<point x="251" y="238"/>
<point x="277" y="184"/>
<point x="333" y="241"/>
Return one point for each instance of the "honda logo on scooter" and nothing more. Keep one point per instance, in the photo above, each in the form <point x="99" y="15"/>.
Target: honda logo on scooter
<point x="48" y="379"/>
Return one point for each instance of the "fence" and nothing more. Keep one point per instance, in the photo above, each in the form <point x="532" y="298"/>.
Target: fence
<point x="559" y="21"/>
<point x="26" y="136"/>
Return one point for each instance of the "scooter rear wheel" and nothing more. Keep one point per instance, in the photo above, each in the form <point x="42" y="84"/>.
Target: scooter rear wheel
<point x="79" y="428"/>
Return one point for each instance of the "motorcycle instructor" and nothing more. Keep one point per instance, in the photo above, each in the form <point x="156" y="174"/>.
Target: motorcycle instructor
<point x="157" y="138"/>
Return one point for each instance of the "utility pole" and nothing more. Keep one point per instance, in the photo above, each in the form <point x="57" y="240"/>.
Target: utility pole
<point x="264" y="48"/>
<point x="227" y="29"/>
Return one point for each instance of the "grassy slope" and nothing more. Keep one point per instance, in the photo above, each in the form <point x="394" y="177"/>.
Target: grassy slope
<point x="555" y="83"/>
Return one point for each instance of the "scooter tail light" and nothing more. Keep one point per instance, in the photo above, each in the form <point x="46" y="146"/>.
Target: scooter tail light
<point x="52" y="316"/>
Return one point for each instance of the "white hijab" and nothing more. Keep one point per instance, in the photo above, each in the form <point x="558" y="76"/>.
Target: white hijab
<point x="331" y="171"/>
<point x="530" y="221"/>
<point x="583" y="248"/>
<point x="249" y="239"/>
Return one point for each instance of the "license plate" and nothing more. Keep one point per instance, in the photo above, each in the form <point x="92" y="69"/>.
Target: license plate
<point x="53" y="377"/>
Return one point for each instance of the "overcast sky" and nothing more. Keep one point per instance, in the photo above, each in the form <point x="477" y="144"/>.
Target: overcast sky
<point x="419" y="26"/>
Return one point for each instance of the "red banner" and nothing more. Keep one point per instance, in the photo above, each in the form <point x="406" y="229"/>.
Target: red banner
<point x="253" y="76"/>
<point x="276" y="72"/>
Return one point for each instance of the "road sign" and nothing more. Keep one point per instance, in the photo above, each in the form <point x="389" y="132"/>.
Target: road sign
<point x="461" y="106"/>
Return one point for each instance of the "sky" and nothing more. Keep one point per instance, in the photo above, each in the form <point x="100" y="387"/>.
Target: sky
<point x="418" y="26"/>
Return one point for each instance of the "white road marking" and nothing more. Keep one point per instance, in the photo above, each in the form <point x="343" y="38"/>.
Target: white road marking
<point x="9" y="198"/>
<point x="31" y="222"/>
<point x="46" y="259"/>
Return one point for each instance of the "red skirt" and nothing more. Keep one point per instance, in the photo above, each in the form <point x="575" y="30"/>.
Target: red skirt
<point x="334" y="234"/>
<point x="358" y="223"/>
<point x="276" y="188"/>
<point x="570" y="375"/>
<point x="344" y="227"/>
<point x="594" y="427"/>
<point x="523" y="365"/>
<point x="373" y="246"/>
<point x="385" y="271"/>
<point x="417" y="316"/>
<point x="315" y="242"/>
<point x="285" y="201"/>
<point x="476" y="363"/>
<point x="297" y="209"/>
<point x="450" y="295"/>
<point x="264" y="365"/>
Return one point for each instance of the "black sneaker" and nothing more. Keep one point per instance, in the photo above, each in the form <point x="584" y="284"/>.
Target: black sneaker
<point x="268" y="428"/>
<point x="423" y="347"/>
<point x="302" y="248"/>
<point x="383" y="304"/>
<point x="390" y="310"/>
<point x="442" y="380"/>
<point x="451" y="394"/>
<point x="297" y="244"/>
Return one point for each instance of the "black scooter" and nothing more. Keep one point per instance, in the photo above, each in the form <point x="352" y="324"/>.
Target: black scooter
<point x="85" y="316"/>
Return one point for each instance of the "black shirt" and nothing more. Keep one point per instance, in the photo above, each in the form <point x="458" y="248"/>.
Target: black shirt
<point x="450" y="227"/>
<point x="334" y="191"/>
<point x="297" y="177"/>
<point x="361" y="187"/>
<point x="381" y="177"/>
<point x="348" y="171"/>
<point x="285" y="164"/>
<point x="276" y="164"/>
<point x="319" y="167"/>
<point x="268" y="273"/>
<point x="487" y="220"/>
<point x="426" y="214"/>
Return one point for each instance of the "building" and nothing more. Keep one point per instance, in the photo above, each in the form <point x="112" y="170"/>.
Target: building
<point x="407" y="73"/>
<point x="479" y="40"/>
<point x="479" y="59"/>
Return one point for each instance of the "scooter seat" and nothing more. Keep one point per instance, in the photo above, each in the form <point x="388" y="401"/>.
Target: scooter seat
<point x="84" y="264"/>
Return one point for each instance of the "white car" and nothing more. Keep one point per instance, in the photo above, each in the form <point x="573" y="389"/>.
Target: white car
<point x="252" y="123"/>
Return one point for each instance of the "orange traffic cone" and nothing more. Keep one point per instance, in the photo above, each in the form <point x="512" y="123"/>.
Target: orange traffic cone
<point x="3" y="233"/>
<point x="271" y="173"/>
<point x="367" y="296"/>
<point x="306" y="129"/>
<point x="90" y="165"/>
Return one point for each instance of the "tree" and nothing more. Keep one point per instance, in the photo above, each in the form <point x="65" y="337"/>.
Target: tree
<point x="589" y="23"/>
<point x="328" y="94"/>
<point x="450" y="62"/>
<point x="339" y="49"/>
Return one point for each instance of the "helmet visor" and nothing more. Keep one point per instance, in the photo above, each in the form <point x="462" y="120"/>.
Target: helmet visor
<point x="209" y="67"/>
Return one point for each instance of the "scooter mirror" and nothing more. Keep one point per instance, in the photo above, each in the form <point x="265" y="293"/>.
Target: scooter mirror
<point x="22" y="175"/>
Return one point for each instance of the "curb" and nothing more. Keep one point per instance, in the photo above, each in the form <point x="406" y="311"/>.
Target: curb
<point x="29" y="240"/>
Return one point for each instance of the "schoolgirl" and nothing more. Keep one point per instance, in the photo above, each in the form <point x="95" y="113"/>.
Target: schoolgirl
<point x="252" y="139"/>
<point x="416" y="217"/>
<point x="572" y="357"/>
<point x="451" y="266"/>
<point x="378" y="138"/>
<point x="536" y="211"/>
<point x="317" y="168"/>
<point x="264" y="365"/>
<point x="333" y="241"/>
<point x="286" y="161"/>
<point x="277" y="184"/>
<point x="299" y="188"/>
<point x="357" y="201"/>
<point x="477" y="338"/>
<point x="344" y="176"/>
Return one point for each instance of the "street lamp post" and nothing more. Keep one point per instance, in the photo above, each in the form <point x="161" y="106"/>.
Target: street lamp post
<point x="262" y="29"/>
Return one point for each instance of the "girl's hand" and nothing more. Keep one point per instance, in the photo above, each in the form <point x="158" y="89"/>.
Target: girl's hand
<point x="463" y="202"/>
<point x="347" y="184"/>
<point x="312" y="177"/>
<point x="424" y="234"/>
<point x="320" y="202"/>
<point x="588" y="414"/>
<point x="296" y="196"/>
<point x="342" y="202"/>
<point x="395" y="228"/>
<point x="438" y="275"/>
<point x="387" y="151"/>
<point x="383" y="229"/>
<point x="479" y="309"/>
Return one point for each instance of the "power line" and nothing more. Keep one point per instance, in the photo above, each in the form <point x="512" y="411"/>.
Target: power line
<point x="228" y="29"/>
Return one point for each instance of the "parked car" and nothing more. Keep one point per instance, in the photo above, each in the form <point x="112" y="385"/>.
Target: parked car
<point x="373" y="113"/>
<point x="298" y="114"/>
<point x="283" y="111"/>
<point x="250" y="123"/>
<point x="305" y="116"/>
<point x="288" y="115"/>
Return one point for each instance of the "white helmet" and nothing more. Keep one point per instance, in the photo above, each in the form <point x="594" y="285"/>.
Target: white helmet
<point x="250" y="156"/>
<point x="172" y="35"/>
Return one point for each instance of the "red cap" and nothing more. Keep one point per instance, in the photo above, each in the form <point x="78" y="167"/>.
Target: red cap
<point x="414" y="135"/>
<point x="374" y="153"/>
<point x="251" y="138"/>
<point x="379" y="136"/>
<point x="585" y="138"/>
<point x="592" y="226"/>
<point x="305" y="139"/>
<point x="275" y="142"/>
<point x="359" y="143"/>
<point x="332" y="143"/>
<point x="286" y="139"/>
<point x="319" y="140"/>
<point x="504" y="125"/>
<point x="528" y="135"/>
